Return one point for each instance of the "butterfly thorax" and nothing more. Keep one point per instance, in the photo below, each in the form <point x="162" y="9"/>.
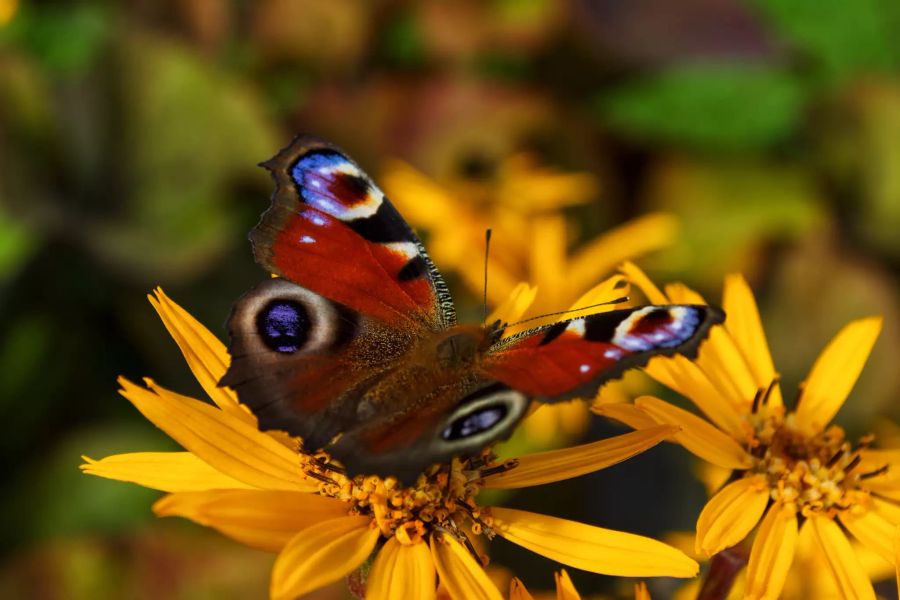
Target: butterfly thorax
<point x="460" y="346"/>
<point x="434" y="372"/>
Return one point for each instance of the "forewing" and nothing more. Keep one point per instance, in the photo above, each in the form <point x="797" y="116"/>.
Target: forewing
<point x="331" y="230"/>
<point x="574" y="358"/>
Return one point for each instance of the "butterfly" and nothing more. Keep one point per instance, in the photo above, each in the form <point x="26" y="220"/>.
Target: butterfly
<point x="354" y="346"/>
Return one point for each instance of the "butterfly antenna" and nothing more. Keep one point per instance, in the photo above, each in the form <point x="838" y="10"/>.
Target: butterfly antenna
<point x="487" y="250"/>
<point x="618" y="300"/>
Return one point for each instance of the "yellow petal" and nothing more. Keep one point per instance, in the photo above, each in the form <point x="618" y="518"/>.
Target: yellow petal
<point x="625" y="413"/>
<point x="683" y="376"/>
<point x="463" y="577"/>
<point x="723" y="364"/>
<point x="772" y="553"/>
<point x="321" y="554"/>
<point x="204" y="353"/>
<point x="517" y="590"/>
<point x="745" y="327"/>
<point x="731" y="514"/>
<point x="872" y="529"/>
<point x="556" y="465"/>
<point x="697" y="435"/>
<point x="637" y="277"/>
<point x="547" y="260"/>
<point x="260" y="518"/>
<point x="842" y="562"/>
<point x="166" y="471"/>
<point x="225" y="442"/>
<point x="896" y="556"/>
<point x="401" y="571"/>
<point x="606" y="292"/>
<point x="627" y="241"/>
<point x="591" y="548"/>
<point x="565" y="589"/>
<point x="679" y="293"/>
<point x="641" y="592"/>
<point x="512" y="309"/>
<point x="422" y="202"/>
<point x="835" y="373"/>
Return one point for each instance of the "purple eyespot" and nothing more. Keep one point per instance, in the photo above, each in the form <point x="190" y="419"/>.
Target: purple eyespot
<point x="283" y="326"/>
<point x="474" y="423"/>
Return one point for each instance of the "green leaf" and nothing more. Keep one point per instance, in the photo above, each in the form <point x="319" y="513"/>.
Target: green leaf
<point x="729" y="107"/>
<point x="842" y="38"/>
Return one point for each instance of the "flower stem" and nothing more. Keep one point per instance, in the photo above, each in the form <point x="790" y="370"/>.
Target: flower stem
<point x="723" y="569"/>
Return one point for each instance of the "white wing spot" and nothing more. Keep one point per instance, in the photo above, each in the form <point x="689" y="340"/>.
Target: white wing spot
<point x="576" y="326"/>
<point x="307" y="239"/>
<point x="584" y="368"/>
<point x="407" y="250"/>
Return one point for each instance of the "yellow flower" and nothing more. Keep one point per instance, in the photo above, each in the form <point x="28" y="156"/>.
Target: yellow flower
<point x="260" y="490"/>
<point x="521" y="204"/>
<point x="788" y="466"/>
<point x="565" y="589"/>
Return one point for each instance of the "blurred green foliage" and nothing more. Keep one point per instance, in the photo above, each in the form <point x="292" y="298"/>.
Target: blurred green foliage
<point x="129" y="135"/>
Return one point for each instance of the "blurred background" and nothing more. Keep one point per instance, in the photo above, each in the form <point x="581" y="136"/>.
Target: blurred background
<point x="709" y="136"/>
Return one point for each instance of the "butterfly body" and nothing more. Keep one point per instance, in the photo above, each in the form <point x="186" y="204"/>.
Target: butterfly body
<point x="355" y="348"/>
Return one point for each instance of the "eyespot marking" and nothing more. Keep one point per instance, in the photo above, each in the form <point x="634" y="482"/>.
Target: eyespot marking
<point x="283" y="326"/>
<point x="479" y="421"/>
<point x="657" y="327"/>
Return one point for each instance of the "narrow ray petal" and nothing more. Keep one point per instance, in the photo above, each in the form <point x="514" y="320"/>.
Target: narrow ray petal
<point x="264" y="519"/>
<point x="842" y="562"/>
<point x="887" y="509"/>
<point x="683" y="376"/>
<point x="897" y="556"/>
<point x="605" y="296"/>
<point x="726" y="368"/>
<point x="772" y="553"/>
<point x="565" y="589"/>
<point x="697" y="435"/>
<point x="679" y="293"/>
<point x="205" y="354"/>
<point x="547" y="255"/>
<point x="835" y="372"/>
<point x="402" y="571"/>
<point x="321" y="554"/>
<point x="226" y="443"/>
<point x="592" y="548"/>
<point x="512" y="309"/>
<point x="624" y="413"/>
<point x="872" y="529"/>
<point x="745" y="327"/>
<point x="731" y="514"/>
<point x="630" y="240"/>
<point x="641" y="592"/>
<point x="518" y="591"/>
<point x="640" y="279"/>
<point x="463" y="577"/>
<point x="556" y="465"/>
<point x="166" y="471"/>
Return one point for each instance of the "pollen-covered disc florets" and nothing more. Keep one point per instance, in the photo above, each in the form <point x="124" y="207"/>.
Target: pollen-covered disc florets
<point x="443" y="497"/>
<point x="819" y="473"/>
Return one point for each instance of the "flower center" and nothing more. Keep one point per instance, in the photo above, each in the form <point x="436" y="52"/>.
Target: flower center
<point x="818" y="473"/>
<point x="443" y="497"/>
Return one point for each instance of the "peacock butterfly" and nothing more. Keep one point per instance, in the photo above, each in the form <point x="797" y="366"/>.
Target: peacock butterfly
<point x="355" y="348"/>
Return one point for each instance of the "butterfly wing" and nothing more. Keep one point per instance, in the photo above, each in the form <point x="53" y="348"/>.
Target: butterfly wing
<point x="300" y="361"/>
<point x="574" y="358"/>
<point x="331" y="230"/>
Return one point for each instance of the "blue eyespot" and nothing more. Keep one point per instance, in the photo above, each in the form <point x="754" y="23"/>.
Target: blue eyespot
<point x="283" y="326"/>
<point x="474" y="423"/>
